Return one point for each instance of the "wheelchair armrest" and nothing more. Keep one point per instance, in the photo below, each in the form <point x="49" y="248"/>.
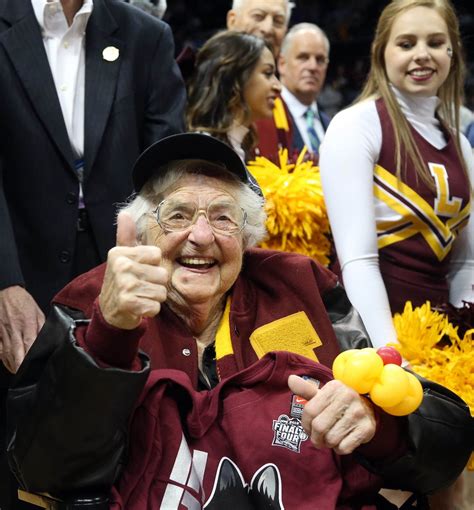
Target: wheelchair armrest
<point x="49" y="502"/>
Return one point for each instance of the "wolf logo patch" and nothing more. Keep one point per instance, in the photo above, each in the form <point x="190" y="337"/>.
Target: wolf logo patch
<point x="231" y="491"/>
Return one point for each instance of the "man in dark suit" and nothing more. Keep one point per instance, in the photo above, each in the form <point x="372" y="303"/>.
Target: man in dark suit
<point x="53" y="181"/>
<point x="85" y="87"/>
<point x="298" y="121"/>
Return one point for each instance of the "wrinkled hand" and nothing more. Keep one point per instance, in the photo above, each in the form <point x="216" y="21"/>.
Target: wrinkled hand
<point x="20" y="321"/>
<point x="335" y="416"/>
<point x="134" y="284"/>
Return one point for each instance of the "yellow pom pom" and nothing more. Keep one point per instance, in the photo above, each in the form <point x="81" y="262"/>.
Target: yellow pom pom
<point x="470" y="464"/>
<point x="297" y="220"/>
<point x="432" y="346"/>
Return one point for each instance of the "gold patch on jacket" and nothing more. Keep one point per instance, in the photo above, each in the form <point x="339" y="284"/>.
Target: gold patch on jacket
<point x="293" y="333"/>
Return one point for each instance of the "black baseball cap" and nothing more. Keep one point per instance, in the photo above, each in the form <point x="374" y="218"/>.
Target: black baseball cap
<point x="190" y="146"/>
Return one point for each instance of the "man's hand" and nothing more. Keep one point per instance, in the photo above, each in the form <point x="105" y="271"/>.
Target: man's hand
<point x="134" y="284"/>
<point x="20" y="321"/>
<point x="335" y="416"/>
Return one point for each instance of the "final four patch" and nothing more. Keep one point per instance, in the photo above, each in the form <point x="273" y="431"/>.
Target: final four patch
<point x="288" y="433"/>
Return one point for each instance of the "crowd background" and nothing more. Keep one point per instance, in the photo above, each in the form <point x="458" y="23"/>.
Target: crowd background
<point x="348" y="25"/>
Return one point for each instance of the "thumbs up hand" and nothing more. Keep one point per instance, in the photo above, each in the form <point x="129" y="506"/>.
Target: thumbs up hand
<point x="335" y="415"/>
<point x="134" y="283"/>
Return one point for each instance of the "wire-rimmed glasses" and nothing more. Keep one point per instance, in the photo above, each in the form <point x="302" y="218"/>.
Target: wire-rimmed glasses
<point x="224" y="215"/>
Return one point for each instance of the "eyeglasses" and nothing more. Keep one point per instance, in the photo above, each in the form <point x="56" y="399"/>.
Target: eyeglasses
<point x="223" y="216"/>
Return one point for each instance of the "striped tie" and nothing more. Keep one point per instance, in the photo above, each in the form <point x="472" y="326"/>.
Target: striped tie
<point x="79" y="167"/>
<point x="313" y="137"/>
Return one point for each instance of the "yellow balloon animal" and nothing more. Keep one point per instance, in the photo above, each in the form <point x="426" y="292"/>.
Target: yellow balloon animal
<point x="389" y="386"/>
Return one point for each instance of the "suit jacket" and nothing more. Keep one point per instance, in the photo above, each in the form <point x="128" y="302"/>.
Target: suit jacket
<point x="129" y="103"/>
<point x="271" y="138"/>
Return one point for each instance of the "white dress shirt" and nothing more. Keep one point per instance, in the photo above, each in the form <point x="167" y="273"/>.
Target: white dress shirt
<point x="298" y="110"/>
<point x="65" y="49"/>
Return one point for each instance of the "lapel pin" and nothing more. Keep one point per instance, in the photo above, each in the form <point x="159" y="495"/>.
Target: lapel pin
<point x="111" y="53"/>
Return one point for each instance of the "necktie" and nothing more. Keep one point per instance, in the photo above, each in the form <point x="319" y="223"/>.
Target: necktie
<point x="313" y="137"/>
<point x="79" y="167"/>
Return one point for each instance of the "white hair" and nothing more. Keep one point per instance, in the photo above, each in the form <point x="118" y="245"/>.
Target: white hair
<point x="157" y="10"/>
<point x="156" y="189"/>
<point x="238" y="4"/>
<point x="300" y="27"/>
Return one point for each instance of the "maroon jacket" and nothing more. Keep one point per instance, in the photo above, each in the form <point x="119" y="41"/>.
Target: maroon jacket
<point x="272" y="285"/>
<point x="271" y="138"/>
<point x="236" y="445"/>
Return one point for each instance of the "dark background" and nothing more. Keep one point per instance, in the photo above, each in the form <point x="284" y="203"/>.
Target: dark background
<point x="349" y="25"/>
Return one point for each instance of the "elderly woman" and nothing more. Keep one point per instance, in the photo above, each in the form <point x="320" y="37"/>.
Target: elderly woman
<point x="184" y="303"/>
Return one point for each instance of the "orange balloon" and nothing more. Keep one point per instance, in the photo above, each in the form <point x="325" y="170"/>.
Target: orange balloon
<point x="391" y="387"/>
<point x="412" y="400"/>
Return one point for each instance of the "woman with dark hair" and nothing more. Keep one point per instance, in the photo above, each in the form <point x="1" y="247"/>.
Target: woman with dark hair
<point x="233" y="85"/>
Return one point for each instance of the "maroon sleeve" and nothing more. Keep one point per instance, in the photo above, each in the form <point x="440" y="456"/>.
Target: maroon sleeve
<point x="108" y="345"/>
<point x="80" y="294"/>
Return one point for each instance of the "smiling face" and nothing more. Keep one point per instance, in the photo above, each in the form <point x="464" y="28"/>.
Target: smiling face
<point x="202" y="265"/>
<point x="417" y="59"/>
<point x="262" y="87"/>
<point x="264" y="18"/>
<point x="303" y="65"/>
